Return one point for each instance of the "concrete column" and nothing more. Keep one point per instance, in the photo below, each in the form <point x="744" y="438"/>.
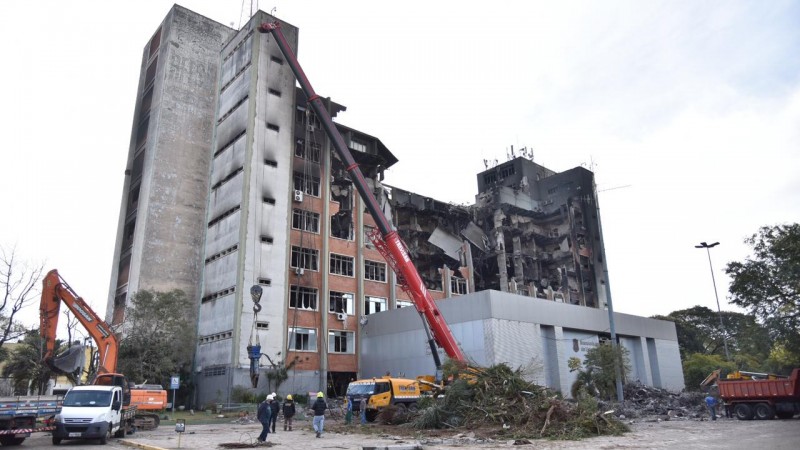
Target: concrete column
<point x="564" y="379"/>
<point x="519" y="274"/>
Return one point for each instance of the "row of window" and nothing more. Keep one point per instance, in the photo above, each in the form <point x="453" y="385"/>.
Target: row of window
<point x="302" y="297"/>
<point x="305" y="339"/>
<point x="308" y="258"/>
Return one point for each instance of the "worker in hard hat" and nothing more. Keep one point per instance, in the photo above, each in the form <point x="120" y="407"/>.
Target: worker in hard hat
<point x="319" y="408"/>
<point x="264" y="415"/>
<point x="275" y="408"/>
<point x="288" y="412"/>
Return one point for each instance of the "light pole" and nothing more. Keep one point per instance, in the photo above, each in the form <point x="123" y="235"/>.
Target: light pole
<point x="708" y="248"/>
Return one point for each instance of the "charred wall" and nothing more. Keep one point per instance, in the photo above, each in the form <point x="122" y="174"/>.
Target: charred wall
<point x="532" y="232"/>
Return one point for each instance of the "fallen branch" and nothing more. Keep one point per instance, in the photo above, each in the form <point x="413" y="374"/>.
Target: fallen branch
<point x="547" y="418"/>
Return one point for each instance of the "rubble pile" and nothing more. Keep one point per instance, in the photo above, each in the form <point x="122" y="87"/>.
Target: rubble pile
<point x="643" y="401"/>
<point x="500" y="398"/>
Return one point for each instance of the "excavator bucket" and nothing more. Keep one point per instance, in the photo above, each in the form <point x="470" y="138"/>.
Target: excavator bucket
<point x="69" y="361"/>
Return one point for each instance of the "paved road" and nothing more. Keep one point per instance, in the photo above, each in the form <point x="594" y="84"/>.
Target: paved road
<point x="676" y="434"/>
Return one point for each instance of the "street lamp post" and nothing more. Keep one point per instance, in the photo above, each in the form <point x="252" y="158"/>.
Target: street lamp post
<point x="708" y="248"/>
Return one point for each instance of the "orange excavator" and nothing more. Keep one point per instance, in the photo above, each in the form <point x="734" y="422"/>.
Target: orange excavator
<point x="56" y="291"/>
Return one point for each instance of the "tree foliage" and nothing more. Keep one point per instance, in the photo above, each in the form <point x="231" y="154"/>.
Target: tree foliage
<point x="767" y="283"/>
<point x="699" y="331"/>
<point x="697" y="366"/>
<point x="26" y="367"/>
<point x="158" y="340"/>
<point x="597" y="375"/>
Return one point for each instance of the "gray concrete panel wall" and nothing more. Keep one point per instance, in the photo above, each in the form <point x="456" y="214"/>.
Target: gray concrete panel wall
<point x="493" y="327"/>
<point x="668" y="357"/>
<point x="272" y="140"/>
<point x="517" y="344"/>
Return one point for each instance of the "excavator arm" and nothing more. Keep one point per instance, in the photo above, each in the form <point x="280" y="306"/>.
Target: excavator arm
<point x="388" y="242"/>
<point x="56" y="291"/>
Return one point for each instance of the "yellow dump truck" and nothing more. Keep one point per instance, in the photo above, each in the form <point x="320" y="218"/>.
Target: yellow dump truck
<point x="403" y="393"/>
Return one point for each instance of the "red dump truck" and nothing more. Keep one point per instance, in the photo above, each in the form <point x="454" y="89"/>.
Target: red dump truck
<point x="762" y="399"/>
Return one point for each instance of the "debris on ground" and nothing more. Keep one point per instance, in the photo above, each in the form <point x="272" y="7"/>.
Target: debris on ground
<point x="246" y="445"/>
<point x="500" y="399"/>
<point x="648" y="402"/>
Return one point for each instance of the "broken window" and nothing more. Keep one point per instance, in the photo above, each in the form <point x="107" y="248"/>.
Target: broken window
<point x="309" y="151"/>
<point x="373" y="305"/>
<point x="358" y="146"/>
<point x="367" y="241"/>
<point x="375" y="271"/>
<point x="305" y="258"/>
<point x="301" y="297"/>
<point x="342" y="265"/>
<point x="490" y="178"/>
<point x="305" y="220"/>
<point x="341" y="342"/>
<point x="404" y="304"/>
<point x="340" y="302"/>
<point x="506" y="172"/>
<point x="306" y="183"/>
<point x="342" y="225"/>
<point x="458" y="286"/>
<point x="302" y="339"/>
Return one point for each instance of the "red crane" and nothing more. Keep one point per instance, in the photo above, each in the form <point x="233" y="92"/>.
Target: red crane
<point x="385" y="238"/>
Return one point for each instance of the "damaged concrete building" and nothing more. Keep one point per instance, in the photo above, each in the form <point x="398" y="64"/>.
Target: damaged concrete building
<point x="231" y="183"/>
<point x="533" y="232"/>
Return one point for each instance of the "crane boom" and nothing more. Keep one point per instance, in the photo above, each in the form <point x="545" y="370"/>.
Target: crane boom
<point x="55" y="291"/>
<point x="388" y="242"/>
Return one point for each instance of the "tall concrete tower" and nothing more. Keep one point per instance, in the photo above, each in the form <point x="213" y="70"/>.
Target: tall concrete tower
<point x="163" y="208"/>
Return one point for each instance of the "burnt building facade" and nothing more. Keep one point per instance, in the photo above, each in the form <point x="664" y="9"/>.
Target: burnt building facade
<point x="531" y="232"/>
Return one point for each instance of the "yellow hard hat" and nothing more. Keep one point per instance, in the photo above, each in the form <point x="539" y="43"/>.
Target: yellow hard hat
<point x="289" y="397"/>
<point x="319" y="394"/>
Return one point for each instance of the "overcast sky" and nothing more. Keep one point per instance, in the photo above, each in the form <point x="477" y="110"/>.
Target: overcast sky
<point x="687" y="111"/>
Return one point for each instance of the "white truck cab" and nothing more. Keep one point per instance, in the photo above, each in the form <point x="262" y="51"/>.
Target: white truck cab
<point x="90" y="412"/>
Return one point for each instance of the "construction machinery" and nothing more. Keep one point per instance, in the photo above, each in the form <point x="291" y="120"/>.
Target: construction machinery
<point x="762" y="398"/>
<point x="56" y="291"/>
<point x="379" y="393"/>
<point x="385" y="238"/>
<point x="757" y="395"/>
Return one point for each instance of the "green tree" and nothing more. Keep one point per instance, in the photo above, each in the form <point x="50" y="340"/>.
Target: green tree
<point x="697" y="366"/>
<point x="767" y="284"/>
<point x="158" y="340"/>
<point x="597" y="375"/>
<point x="26" y="367"/>
<point x="698" y="329"/>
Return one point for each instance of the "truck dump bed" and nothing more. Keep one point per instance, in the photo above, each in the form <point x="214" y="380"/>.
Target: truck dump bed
<point x="783" y="388"/>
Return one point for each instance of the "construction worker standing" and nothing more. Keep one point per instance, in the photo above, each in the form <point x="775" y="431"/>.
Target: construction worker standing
<point x="319" y="408"/>
<point x="288" y="412"/>
<point x="264" y="415"/>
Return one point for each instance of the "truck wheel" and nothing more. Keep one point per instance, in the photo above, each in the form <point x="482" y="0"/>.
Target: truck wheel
<point x="56" y="440"/>
<point x="764" y="411"/>
<point x="104" y="439"/>
<point x="8" y="441"/>
<point x="743" y="411"/>
<point x="413" y="408"/>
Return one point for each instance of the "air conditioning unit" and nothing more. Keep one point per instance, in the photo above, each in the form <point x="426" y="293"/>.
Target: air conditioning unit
<point x="341" y="316"/>
<point x="298" y="195"/>
<point x="299" y="271"/>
